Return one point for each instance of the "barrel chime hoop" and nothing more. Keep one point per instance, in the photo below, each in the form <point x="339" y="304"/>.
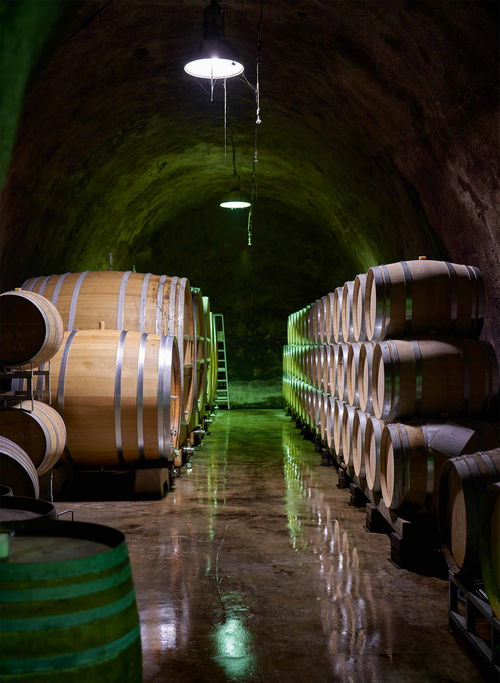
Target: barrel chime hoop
<point x="159" y="305"/>
<point x="74" y="300"/>
<point x="62" y="373"/>
<point x="44" y="284"/>
<point x="57" y="288"/>
<point x="453" y="296"/>
<point x="142" y="305"/>
<point x="404" y="479"/>
<point x="34" y="283"/>
<point x="383" y="309"/>
<point x="408" y="281"/>
<point x="118" y="395"/>
<point x="430" y="469"/>
<point x="164" y="388"/>
<point x="140" y="395"/>
<point x="171" y="305"/>
<point x="417" y="354"/>
<point x="120" y="308"/>
<point x="27" y="287"/>
<point x="180" y="316"/>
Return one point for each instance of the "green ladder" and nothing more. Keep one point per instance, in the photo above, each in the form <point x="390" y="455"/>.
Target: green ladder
<point x="222" y="392"/>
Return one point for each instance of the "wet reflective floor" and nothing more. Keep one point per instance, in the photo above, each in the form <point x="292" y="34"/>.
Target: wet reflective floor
<point x="255" y="568"/>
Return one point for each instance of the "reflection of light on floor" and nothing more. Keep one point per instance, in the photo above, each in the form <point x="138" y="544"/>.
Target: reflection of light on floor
<point x="168" y="635"/>
<point x="235" y="651"/>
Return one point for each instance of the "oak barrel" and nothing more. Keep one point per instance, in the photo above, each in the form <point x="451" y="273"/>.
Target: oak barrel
<point x="362" y="383"/>
<point x="358" y="308"/>
<point x="373" y="437"/>
<point x="423" y="297"/>
<point x="347" y="312"/>
<point x="489" y="546"/>
<point x="347" y="430"/>
<point x="462" y="486"/>
<point x="411" y="457"/>
<point x="16" y="470"/>
<point x="433" y="377"/>
<point x="68" y="607"/>
<point x="38" y="429"/>
<point x="358" y="442"/>
<point x="338" y="332"/>
<point x="31" y="329"/>
<point x="119" y="395"/>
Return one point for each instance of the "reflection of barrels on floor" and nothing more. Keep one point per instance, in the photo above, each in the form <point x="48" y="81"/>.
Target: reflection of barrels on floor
<point x="17" y="471"/>
<point x="79" y="576"/>
<point x="38" y="429"/>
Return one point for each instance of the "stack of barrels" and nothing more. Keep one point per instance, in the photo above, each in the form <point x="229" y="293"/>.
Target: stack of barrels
<point x="134" y="374"/>
<point x="388" y="372"/>
<point x="32" y="433"/>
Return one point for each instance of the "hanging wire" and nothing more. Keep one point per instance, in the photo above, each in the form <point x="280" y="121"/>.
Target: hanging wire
<point x="258" y="121"/>
<point x="225" y="119"/>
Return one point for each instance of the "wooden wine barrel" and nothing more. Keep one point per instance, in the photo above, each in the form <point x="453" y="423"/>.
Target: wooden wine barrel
<point x="329" y="318"/>
<point x="38" y="429"/>
<point x="489" y="546"/>
<point x="363" y="381"/>
<point x="433" y="377"/>
<point x="68" y="606"/>
<point x="200" y="354"/>
<point x="142" y="302"/>
<point x="462" y="485"/>
<point x="347" y="311"/>
<point x="16" y="470"/>
<point x="324" y="405"/>
<point x="323" y="305"/>
<point x="411" y="457"/>
<point x="338" y="332"/>
<point x="358" y="442"/>
<point x="347" y="433"/>
<point x="119" y="395"/>
<point x="329" y="421"/>
<point x="338" y="415"/>
<point x="343" y="352"/>
<point x="18" y="513"/>
<point x="351" y="373"/>
<point x="31" y="329"/>
<point x="423" y="297"/>
<point x="358" y="308"/>
<point x="214" y="363"/>
<point x="373" y="437"/>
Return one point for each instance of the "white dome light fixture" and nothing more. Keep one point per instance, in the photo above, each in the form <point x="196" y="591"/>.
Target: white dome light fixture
<point x="235" y="200"/>
<point x="216" y="59"/>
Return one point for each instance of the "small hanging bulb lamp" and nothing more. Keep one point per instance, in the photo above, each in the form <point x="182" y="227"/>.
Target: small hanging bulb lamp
<point x="216" y="58"/>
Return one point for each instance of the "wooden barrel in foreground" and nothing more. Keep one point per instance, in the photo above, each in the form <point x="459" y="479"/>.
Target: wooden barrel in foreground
<point x="433" y="377"/>
<point x="120" y="396"/>
<point x="373" y="437"/>
<point x="68" y="607"/>
<point x="31" y="329"/>
<point x="411" y="457"/>
<point x="462" y="485"/>
<point x="423" y="297"/>
<point x="490" y="546"/>
<point x="16" y="470"/>
<point x="38" y="429"/>
<point x="18" y="513"/>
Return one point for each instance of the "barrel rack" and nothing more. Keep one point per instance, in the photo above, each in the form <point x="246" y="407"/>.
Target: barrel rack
<point x="471" y="616"/>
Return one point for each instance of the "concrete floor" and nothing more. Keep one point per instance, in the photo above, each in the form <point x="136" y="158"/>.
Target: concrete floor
<point x="255" y="568"/>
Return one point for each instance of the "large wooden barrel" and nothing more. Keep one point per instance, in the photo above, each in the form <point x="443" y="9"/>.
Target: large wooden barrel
<point x="68" y="607"/>
<point x="423" y="297"/>
<point x="462" y="485"/>
<point x="16" y="470"/>
<point x="18" y="513"/>
<point x="358" y="442"/>
<point x="38" y="429"/>
<point x="341" y="385"/>
<point x="358" y="308"/>
<point x="373" y="437"/>
<point x="199" y="353"/>
<point x="31" y="329"/>
<point x="433" y="377"/>
<point x="141" y="302"/>
<point x="346" y="312"/>
<point x="363" y="380"/>
<point x="338" y="332"/>
<point x="329" y="318"/>
<point x="347" y="433"/>
<point x="411" y="457"/>
<point x="489" y="546"/>
<point x="338" y="415"/>
<point x="214" y="363"/>
<point x="119" y="395"/>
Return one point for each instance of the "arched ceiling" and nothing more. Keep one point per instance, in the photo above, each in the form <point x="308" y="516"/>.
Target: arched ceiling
<point x="378" y="142"/>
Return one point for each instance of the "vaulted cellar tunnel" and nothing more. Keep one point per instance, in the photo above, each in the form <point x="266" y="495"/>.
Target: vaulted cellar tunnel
<point x="379" y="142"/>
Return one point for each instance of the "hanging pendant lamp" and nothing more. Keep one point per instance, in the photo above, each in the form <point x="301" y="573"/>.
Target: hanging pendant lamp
<point x="216" y="58"/>
<point x="235" y="200"/>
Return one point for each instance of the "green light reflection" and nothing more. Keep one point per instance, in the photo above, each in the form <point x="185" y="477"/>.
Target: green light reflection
<point x="295" y="493"/>
<point x="235" y="651"/>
